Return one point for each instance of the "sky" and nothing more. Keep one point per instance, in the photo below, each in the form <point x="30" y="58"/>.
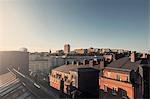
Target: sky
<point x="40" y="25"/>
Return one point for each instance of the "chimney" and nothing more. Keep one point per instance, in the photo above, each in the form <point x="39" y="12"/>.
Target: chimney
<point x="133" y="56"/>
<point x="78" y="63"/>
<point x="67" y="62"/>
<point x="73" y="62"/>
<point x="85" y="62"/>
<point x="144" y="55"/>
<point x="91" y="63"/>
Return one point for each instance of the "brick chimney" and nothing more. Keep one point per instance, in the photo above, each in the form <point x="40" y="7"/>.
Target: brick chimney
<point x="73" y="62"/>
<point x="91" y="63"/>
<point x="85" y="62"/>
<point x="144" y="55"/>
<point x="133" y="56"/>
<point x="78" y="63"/>
<point x="67" y="62"/>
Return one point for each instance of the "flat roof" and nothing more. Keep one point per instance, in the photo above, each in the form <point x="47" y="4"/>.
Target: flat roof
<point x="70" y="67"/>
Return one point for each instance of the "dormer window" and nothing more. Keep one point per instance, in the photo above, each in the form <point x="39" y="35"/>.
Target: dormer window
<point x="127" y="78"/>
<point x="118" y="77"/>
<point x="114" y="91"/>
<point x="109" y="74"/>
<point x="65" y="78"/>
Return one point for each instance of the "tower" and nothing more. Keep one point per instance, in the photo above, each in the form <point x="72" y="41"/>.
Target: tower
<point x="66" y="48"/>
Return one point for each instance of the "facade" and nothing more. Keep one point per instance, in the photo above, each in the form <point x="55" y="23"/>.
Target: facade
<point x="109" y="57"/>
<point x="76" y="75"/>
<point x="117" y="83"/>
<point x="44" y="64"/>
<point x="81" y="51"/>
<point x="60" y="52"/>
<point x="16" y="59"/>
<point x="91" y="50"/>
<point x="126" y="77"/>
<point x="39" y="65"/>
<point x="146" y="76"/>
<point x="66" y="48"/>
<point x="119" y="50"/>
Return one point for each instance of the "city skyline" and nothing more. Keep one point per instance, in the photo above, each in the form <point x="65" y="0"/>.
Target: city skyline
<point x="48" y="24"/>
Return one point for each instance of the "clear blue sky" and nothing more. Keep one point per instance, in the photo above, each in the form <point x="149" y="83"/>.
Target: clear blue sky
<point x="40" y="25"/>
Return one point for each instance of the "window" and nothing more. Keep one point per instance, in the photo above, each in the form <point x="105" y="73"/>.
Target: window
<point x="124" y="94"/>
<point x="128" y="79"/>
<point x="71" y="76"/>
<point x="105" y="88"/>
<point x="66" y="77"/>
<point x="114" y="91"/>
<point x="109" y="74"/>
<point x="118" y="77"/>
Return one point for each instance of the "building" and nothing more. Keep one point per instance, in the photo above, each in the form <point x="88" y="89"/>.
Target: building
<point x="44" y="64"/>
<point x="81" y="51"/>
<point x="109" y="57"/>
<point x="106" y="50"/>
<point x="66" y="48"/>
<point x="91" y="50"/>
<point x="60" y="52"/>
<point x="12" y="88"/>
<point x="16" y="59"/>
<point x="77" y="75"/>
<point x="119" y="50"/>
<point x="146" y="76"/>
<point x="125" y="78"/>
<point x="80" y="58"/>
<point x="38" y="65"/>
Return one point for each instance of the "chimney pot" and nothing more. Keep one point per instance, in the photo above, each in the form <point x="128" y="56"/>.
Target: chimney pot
<point x="133" y="56"/>
<point x="67" y="62"/>
<point x="78" y="63"/>
<point x="91" y="63"/>
<point x="85" y="62"/>
<point x="73" y="62"/>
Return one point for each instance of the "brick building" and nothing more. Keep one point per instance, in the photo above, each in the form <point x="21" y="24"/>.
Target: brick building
<point x="77" y="74"/>
<point x="125" y="78"/>
<point x="66" y="48"/>
<point x="81" y="51"/>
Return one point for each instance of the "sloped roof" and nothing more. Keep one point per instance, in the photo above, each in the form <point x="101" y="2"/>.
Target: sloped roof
<point x="124" y="64"/>
<point x="70" y="67"/>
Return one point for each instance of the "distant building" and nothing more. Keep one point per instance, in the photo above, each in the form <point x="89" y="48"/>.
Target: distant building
<point x="81" y="51"/>
<point x="106" y="50"/>
<point x="66" y="48"/>
<point x="44" y="64"/>
<point x="80" y="58"/>
<point x="91" y="50"/>
<point x="119" y="50"/>
<point x="50" y="51"/>
<point x="16" y="59"/>
<point x="23" y="49"/>
<point x="59" y="52"/>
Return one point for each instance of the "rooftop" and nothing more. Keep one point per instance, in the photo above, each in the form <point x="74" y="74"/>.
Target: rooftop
<point x="12" y="88"/>
<point x="125" y="64"/>
<point x="70" y="67"/>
